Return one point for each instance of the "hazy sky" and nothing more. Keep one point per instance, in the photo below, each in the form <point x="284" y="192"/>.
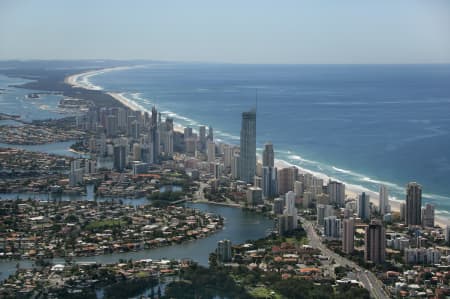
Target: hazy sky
<point x="243" y="31"/>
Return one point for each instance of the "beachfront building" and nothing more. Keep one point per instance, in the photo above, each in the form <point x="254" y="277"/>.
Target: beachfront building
<point x="428" y="215"/>
<point x="286" y="178"/>
<point x="268" y="156"/>
<point x="413" y="204"/>
<point x="336" y="191"/>
<point x="363" y="206"/>
<point x="247" y="161"/>
<point x="383" y="204"/>
<point x="375" y="242"/>
<point x="447" y="234"/>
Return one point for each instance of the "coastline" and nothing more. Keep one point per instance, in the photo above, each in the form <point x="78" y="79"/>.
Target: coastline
<point x="351" y="191"/>
<point x="72" y="80"/>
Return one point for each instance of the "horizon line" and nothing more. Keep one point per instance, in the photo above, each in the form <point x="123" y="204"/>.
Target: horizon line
<point x="219" y="62"/>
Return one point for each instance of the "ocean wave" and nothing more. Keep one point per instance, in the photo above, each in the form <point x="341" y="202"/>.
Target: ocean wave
<point x="342" y="170"/>
<point x="299" y="158"/>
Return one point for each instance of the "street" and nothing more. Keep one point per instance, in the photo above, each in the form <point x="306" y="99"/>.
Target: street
<point x="367" y="278"/>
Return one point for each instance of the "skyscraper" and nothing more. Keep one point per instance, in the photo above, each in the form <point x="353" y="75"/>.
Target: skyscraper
<point x="447" y="234"/>
<point x="111" y="125"/>
<point x="290" y="208"/>
<point x="428" y="215"/>
<point x="332" y="227"/>
<point x="202" y="138"/>
<point x="154" y="135"/>
<point x="384" y="200"/>
<point x="348" y="235"/>
<point x="413" y="204"/>
<point x="269" y="182"/>
<point x="120" y="153"/>
<point x="268" y="155"/>
<point x="224" y="251"/>
<point x="363" y="206"/>
<point x="336" y="191"/>
<point x="247" y="162"/>
<point x="210" y="134"/>
<point x="323" y="211"/>
<point x="211" y="151"/>
<point x="286" y="179"/>
<point x="375" y="242"/>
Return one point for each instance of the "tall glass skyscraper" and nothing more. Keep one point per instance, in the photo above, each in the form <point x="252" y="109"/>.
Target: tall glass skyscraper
<point x="247" y="163"/>
<point x="413" y="204"/>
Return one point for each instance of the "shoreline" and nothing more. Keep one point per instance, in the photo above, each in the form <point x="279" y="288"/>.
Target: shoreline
<point x="72" y="80"/>
<point x="351" y="191"/>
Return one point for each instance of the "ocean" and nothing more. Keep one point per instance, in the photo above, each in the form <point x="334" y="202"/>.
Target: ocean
<point x="364" y="125"/>
<point x="361" y="124"/>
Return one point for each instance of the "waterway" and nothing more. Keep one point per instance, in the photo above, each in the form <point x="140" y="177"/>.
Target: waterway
<point x="239" y="227"/>
<point x="55" y="148"/>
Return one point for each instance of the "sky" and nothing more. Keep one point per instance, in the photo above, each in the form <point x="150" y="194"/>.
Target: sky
<point x="292" y="32"/>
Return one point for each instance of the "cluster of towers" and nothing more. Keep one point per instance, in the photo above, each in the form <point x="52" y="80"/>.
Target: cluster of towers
<point x="126" y="137"/>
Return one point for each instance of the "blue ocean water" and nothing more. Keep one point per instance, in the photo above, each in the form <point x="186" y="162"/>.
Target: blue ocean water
<point x="362" y="124"/>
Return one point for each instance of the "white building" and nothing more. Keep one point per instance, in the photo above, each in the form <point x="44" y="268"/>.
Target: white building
<point x="383" y="204"/>
<point x="427" y="256"/>
<point x="428" y="215"/>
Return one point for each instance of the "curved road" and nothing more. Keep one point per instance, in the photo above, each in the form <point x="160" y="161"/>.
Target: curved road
<point x="368" y="279"/>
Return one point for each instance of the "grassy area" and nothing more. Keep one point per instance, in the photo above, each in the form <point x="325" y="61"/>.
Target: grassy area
<point x="263" y="292"/>
<point x="104" y="224"/>
<point x="302" y="241"/>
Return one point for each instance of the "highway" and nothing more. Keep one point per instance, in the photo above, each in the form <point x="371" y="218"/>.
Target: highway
<point x="367" y="278"/>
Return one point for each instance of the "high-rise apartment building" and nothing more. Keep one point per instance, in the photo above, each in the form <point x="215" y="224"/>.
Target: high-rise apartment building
<point x="413" y="204"/>
<point x="247" y="161"/>
<point x="428" y="215"/>
<point x="348" y="235"/>
<point x="383" y="204"/>
<point x="268" y="156"/>
<point x="375" y="242"/>
<point x="269" y="182"/>
<point x="336" y="191"/>
<point x="363" y="206"/>
<point x="286" y="178"/>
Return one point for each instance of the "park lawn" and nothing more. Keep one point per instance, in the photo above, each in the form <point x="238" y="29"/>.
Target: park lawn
<point x="263" y="292"/>
<point x="104" y="224"/>
<point x="293" y="240"/>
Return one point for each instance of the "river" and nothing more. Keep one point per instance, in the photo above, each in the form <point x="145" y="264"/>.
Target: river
<point x="239" y="227"/>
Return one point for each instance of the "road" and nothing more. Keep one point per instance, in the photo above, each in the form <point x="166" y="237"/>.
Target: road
<point x="368" y="279"/>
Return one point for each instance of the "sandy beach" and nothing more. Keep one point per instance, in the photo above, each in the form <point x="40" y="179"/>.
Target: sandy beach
<point x="73" y="80"/>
